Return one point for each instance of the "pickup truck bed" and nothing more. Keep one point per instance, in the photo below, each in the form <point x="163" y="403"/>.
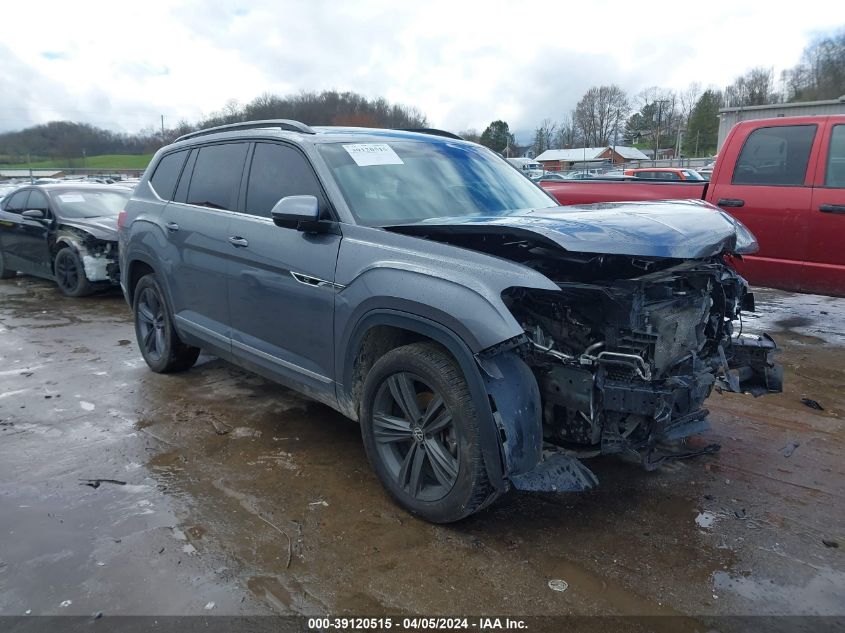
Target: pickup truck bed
<point x="783" y="178"/>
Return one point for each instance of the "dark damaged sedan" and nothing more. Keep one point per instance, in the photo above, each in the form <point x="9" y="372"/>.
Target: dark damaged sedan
<point x="483" y="337"/>
<point x="63" y="232"/>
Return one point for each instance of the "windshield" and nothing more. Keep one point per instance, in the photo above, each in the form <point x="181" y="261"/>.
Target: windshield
<point x="91" y="203"/>
<point x="409" y="181"/>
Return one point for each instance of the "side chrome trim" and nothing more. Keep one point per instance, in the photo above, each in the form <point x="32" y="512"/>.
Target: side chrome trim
<point x="316" y="282"/>
<point x="278" y="361"/>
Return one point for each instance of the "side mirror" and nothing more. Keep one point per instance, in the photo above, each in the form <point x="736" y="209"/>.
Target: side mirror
<point x="33" y="214"/>
<point x="291" y="211"/>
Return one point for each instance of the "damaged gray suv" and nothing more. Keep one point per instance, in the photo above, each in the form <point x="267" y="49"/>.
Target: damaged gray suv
<point x="483" y="337"/>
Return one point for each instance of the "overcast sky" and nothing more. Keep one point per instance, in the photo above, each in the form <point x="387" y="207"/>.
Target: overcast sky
<point x="121" y="65"/>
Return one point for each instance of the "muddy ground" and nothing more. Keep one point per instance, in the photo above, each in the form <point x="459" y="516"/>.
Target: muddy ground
<point x="243" y="498"/>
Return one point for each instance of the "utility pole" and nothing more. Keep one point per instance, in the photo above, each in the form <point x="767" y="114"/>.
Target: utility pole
<point x="657" y="133"/>
<point x="162" y="126"/>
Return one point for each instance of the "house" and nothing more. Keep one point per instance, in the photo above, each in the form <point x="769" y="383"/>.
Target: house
<point x="562" y="159"/>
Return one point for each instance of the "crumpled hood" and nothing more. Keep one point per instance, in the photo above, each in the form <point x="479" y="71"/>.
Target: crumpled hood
<point x="103" y="228"/>
<point x="686" y="229"/>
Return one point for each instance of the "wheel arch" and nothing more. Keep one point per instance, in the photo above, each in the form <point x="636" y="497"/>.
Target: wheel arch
<point x="137" y="267"/>
<point x="380" y="331"/>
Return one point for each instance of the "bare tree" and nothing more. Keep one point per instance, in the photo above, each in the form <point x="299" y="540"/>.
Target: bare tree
<point x="756" y="87"/>
<point x="600" y="113"/>
<point x="657" y="116"/>
<point x="567" y="132"/>
<point x="688" y="98"/>
<point x="544" y="136"/>
<point x="470" y="134"/>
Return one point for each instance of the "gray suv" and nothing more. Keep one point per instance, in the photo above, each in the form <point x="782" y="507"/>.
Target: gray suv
<point x="483" y="337"/>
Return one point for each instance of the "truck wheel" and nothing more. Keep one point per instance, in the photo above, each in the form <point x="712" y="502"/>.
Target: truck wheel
<point x="157" y="339"/>
<point x="421" y="433"/>
<point x="5" y="273"/>
<point x="70" y="274"/>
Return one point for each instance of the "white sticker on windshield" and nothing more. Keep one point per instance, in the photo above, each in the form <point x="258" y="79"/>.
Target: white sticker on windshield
<point x="71" y="197"/>
<point x="366" y="154"/>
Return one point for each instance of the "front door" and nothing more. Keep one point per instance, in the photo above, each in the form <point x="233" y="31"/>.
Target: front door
<point x="770" y="192"/>
<point x="281" y="281"/>
<point x="12" y="232"/>
<point x="196" y="223"/>
<point x="824" y="268"/>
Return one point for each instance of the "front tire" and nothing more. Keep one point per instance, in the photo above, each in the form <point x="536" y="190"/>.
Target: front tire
<point x="421" y="434"/>
<point x="5" y="273"/>
<point x="70" y="274"/>
<point x="157" y="339"/>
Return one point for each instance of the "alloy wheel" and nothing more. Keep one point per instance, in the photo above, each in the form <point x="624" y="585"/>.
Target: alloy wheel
<point x="67" y="273"/>
<point x="151" y="323"/>
<point x="415" y="436"/>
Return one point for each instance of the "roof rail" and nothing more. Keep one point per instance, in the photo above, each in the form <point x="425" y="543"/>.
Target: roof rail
<point x="432" y="131"/>
<point x="283" y="124"/>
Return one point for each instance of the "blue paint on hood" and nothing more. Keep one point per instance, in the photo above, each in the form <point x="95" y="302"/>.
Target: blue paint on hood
<point x="686" y="229"/>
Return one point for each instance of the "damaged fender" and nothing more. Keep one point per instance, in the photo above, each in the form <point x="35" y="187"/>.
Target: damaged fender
<point x="99" y="257"/>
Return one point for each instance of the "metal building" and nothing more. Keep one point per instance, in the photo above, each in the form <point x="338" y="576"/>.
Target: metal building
<point x="728" y="117"/>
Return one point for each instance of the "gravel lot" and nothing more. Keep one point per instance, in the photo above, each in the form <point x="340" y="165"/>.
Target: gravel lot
<point x="242" y="497"/>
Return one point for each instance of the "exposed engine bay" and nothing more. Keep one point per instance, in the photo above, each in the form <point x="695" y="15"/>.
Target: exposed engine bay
<point x="629" y="348"/>
<point x="625" y="364"/>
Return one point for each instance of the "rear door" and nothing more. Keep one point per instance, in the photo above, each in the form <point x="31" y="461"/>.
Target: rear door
<point x="824" y="268"/>
<point x="12" y="239"/>
<point x="281" y="281"/>
<point x="770" y="191"/>
<point x="196" y="224"/>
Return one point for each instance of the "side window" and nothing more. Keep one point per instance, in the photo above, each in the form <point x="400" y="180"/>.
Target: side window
<point x="669" y="175"/>
<point x="167" y="173"/>
<point x="278" y="171"/>
<point x="775" y="156"/>
<point x="37" y="200"/>
<point x="17" y="203"/>
<point x="182" y="190"/>
<point x="835" y="174"/>
<point x="217" y="176"/>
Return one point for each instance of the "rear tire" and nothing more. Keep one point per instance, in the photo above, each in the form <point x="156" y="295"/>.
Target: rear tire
<point x="70" y="274"/>
<point x="157" y="339"/>
<point x="5" y="273"/>
<point x="421" y="434"/>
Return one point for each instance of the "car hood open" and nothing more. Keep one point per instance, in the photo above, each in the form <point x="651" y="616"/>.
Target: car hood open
<point x="687" y="229"/>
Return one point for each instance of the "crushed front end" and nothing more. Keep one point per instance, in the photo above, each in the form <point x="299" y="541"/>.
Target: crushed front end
<point x="628" y="349"/>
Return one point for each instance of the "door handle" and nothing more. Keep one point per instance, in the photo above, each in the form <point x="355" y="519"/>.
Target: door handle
<point x="730" y="202"/>
<point x="172" y="227"/>
<point x="832" y="208"/>
<point x="238" y="242"/>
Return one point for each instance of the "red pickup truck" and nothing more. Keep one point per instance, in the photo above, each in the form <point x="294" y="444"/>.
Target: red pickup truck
<point x="784" y="179"/>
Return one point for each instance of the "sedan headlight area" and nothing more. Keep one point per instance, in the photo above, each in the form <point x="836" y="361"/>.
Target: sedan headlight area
<point x="746" y="243"/>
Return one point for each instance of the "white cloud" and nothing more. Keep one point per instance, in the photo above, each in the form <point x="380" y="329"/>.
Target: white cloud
<point x="121" y="65"/>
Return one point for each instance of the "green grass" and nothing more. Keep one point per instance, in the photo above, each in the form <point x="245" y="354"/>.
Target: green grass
<point x="106" y="161"/>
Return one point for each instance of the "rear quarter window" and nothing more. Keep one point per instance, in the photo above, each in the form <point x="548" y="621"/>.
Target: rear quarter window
<point x="167" y="173"/>
<point x="775" y="156"/>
